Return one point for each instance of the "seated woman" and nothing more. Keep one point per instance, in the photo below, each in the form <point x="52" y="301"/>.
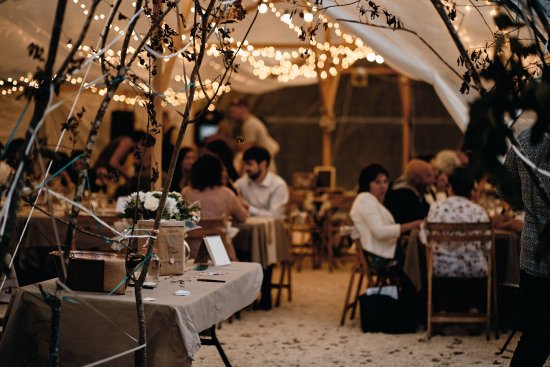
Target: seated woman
<point x="182" y="173"/>
<point x="216" y="200"/>
<point x="459" y="261"/>
<point x="378" y="232"/>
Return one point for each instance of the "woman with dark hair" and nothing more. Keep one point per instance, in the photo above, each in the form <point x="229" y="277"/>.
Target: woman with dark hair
<point x="377" y="230"/>
<point x="182" y="174"/>
<point x="222" y="150"/>
<point x="206" y="187"/>
<point x="216" y="200"/>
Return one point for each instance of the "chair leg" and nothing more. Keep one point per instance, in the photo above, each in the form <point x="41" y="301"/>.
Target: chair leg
<point x="430" y="290"/>
<point x="348" y="293"/>
<point x="357" y="292"/>
<point x="508" y="340"/>
<point x="280" y="286"/>
<point x="495" y="302"/>
<point x="213" y="340"/>
<point x="489" y="308"/>
<point x="289" y="281"/>
<point x="286" y="269"/>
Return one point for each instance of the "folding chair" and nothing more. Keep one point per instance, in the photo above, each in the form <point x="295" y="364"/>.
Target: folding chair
<point x="301" y="229"/>
<point x="361" y="268"/>
<point x="335" y="219"/>
<point x="455" y="234"/>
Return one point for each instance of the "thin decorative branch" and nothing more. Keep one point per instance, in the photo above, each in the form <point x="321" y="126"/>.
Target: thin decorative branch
<point x="413" y="33"/>
<point x="112" y="86"/>
<point x="61" y="71"/>
<point x="458" y="42"/>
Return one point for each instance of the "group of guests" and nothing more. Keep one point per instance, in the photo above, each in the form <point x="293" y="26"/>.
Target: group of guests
<point x="381" y="216"/>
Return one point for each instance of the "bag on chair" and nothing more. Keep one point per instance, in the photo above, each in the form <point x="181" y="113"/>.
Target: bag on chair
<point x="389" y="309"/>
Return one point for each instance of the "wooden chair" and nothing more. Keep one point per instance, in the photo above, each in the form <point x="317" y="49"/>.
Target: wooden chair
<point x="301" y="227"/>
<point x="361" y="268"/>
<point x="455" y="234"/>
<point x="338" y="216"/>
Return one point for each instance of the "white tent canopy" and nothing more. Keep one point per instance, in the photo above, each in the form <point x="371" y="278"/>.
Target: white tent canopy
<point x="29" y="21"/>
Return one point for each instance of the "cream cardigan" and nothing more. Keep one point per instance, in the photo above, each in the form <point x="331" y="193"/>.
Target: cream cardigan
<point x="375" y="225"/>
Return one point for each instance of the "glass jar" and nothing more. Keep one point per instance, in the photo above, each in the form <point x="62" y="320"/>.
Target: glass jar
<point x="153" y="272"/>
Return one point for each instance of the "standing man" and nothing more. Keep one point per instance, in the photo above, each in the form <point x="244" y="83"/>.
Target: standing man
<point x="264" y="192"/>
<point x="534" y="282"/>
<point x="253" y="129"/>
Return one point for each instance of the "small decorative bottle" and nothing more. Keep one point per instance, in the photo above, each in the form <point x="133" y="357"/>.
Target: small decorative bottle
<point x="153" y="273"/>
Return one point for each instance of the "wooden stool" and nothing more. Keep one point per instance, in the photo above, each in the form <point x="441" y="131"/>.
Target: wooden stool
<point x="286" y="270"/>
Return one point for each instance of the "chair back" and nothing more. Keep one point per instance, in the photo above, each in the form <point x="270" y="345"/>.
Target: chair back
<point x="209" y="227"/>
<point x="460" y="232"/>
<point x="455" y="234"/>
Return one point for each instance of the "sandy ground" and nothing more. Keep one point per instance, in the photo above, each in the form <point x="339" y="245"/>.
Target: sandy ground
<point x="307" y="332"/>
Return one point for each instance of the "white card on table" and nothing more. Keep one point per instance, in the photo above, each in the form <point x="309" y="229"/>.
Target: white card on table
<point x="217" y="251"/>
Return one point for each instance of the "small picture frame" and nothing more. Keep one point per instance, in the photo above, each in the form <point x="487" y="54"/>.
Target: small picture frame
<point x="216" y="251"/>
<point x="325" y="177"/>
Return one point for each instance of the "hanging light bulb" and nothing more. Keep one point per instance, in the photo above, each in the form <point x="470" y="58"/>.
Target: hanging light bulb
<point x="308" y="17"/>
<point x="262" y="8"/>
<point x="285" y="18"/>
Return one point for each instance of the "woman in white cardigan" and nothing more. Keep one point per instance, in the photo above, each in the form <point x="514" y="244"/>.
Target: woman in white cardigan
<point x="375" y="226"/>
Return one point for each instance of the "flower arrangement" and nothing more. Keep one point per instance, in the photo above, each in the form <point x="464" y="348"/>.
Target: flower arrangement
<point x="147" y="203"/>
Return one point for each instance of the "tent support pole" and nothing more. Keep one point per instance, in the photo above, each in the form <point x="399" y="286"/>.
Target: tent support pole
<point x="405" y="93"/>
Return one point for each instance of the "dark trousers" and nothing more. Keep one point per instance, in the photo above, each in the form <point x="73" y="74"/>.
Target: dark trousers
<point x="534" y="346"/>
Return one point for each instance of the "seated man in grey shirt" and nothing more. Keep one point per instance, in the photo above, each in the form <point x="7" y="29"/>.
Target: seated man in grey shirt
<point x="265" y="193"/>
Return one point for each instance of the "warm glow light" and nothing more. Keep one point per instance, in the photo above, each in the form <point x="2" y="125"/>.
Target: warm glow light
<point x="308" y="17"/>
<point x="286" y="18"/>
<point x="262" y="8"/>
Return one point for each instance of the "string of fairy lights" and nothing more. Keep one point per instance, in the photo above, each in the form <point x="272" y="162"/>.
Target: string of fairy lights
<point x="314" y="59"/>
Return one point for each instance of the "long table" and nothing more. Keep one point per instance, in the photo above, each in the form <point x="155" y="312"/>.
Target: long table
<point x="95" y="326"/>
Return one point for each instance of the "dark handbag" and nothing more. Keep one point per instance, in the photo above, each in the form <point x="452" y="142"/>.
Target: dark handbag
<point x="382" y="313"/>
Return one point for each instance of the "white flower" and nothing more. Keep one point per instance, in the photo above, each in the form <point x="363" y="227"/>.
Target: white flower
<point x="171" y="206"/>
<point x="151" y="203"/>
<point x="132" y="197"/>
<point x="176" y="195"/>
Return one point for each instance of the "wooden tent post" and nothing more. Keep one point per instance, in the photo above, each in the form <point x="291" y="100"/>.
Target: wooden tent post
<point x="405" y="93"/>
<point x="328" y="88"/>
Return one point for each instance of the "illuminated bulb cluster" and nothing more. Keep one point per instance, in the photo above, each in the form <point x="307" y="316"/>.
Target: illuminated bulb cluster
<point x="289" y="65"/>
<point x="15" y="85"/>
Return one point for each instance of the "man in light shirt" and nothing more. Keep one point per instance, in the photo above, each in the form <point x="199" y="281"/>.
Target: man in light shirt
<point x="264" y="192"/>
<point x="253" y="130"/>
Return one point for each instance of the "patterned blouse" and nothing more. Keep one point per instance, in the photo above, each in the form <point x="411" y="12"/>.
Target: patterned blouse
<point x="467" y="260"/>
